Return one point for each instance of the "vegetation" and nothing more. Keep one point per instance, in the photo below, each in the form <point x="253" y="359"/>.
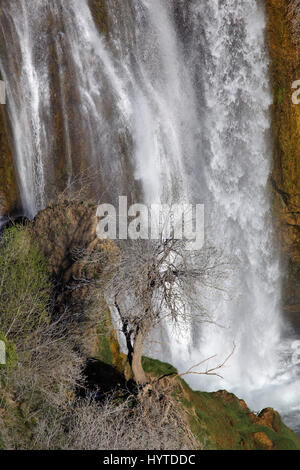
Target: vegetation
<point x="45" y="399"/>
<point x="54" y="396"/>
<point x="42" y="367"/>
<point x="221" y="421"/>
<point x="24" y="288"/>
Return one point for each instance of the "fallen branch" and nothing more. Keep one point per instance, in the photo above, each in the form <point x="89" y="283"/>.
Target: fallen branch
<point x="211" y="371"/>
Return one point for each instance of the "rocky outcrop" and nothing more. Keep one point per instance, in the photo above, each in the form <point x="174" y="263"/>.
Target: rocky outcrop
<point x="221" y="421"/>
<point x="66" y="235"/>
<point x="60" y="229"/>
<point x="283" y="26"/>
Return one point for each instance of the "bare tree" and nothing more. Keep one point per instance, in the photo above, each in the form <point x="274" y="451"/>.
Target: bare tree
<point x="157" y="280"/>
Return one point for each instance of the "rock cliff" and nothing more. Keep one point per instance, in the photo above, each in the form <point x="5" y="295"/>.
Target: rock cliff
<point x="283" y="39"/>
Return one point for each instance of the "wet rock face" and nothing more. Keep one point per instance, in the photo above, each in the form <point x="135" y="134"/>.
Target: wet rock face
<point x="100" y="12"/>
<point x="63" y="105"/>
<point x="9" y="197"/>
<point x="9" y="194"/>
<point x="283" y="27"/>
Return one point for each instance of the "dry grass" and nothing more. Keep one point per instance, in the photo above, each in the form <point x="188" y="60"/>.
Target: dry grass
<point x="151" y="421"/>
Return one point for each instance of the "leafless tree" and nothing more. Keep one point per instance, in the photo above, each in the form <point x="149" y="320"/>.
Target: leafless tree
<point x="157" y="280"/>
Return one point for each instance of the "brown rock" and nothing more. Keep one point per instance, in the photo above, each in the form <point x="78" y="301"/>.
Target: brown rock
<point x="230" y="398"/>
<point x="66" y="235"/>
<point x="283" y="26"/>
<point x="269" y="418"/>
<point x="62" y="228"/>
<point x="263" y="440"/>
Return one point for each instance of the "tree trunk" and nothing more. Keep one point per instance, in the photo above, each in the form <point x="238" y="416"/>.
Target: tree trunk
<point x="137" y="368"/>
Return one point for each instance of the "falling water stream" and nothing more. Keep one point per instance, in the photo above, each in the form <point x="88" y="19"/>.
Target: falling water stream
<point x="171" y="98"/>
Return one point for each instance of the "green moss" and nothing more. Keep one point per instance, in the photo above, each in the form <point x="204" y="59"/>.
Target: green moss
<point x="280" y="95"/>
<point x="229" y="425"/>
<point x="108" y="350"/>
<point x="104" y="353"/>
<point x="157" y="368"/>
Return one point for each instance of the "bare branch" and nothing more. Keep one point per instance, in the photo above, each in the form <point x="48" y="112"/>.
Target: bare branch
<point x="211" y="371"/>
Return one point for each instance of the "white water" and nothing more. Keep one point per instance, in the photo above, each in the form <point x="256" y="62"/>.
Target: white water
<point x="189" y="100"/>
<point x="26" y="90"/>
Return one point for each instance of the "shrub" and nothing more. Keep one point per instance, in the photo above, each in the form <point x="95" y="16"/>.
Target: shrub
<point x="24" y="287"/>
<point x="42" y="369"/>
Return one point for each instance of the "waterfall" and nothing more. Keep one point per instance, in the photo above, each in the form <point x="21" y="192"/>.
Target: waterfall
<point x="171" y="98"/>
<point x="25" y="92"/>
<point x="236" y="159"/>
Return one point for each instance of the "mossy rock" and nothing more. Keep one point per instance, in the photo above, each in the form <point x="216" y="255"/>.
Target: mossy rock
<point x="108" y="348"/>
<point x="157" y="368"/>
<point x="221" y="421"/>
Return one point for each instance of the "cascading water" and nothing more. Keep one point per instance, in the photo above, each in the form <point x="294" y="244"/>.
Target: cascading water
<point x="172" y="98"/>
<point x="64" y="94"/>
<point x="26" y="91"/>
